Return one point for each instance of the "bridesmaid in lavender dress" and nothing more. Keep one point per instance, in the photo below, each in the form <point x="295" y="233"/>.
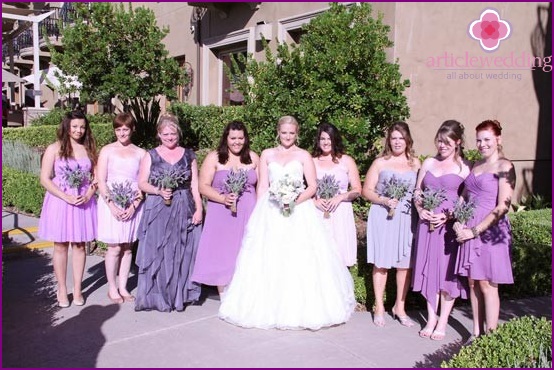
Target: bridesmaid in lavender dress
<point x="223" y="230"/>
<point x="435" y="252"/>
<point x="69" y="213"/>
<point x="329" y="159"/>
<point x="485" y="255"/>
<point x="389" y="239"/>
<point x="118" y="163"/>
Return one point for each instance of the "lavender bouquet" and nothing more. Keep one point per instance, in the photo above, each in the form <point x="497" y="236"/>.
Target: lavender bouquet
<point x="169" y="178"/>
<point x="75" y="177"/>
<point x="235" y="183"/>
<point x="463" y="210"/>
<point x="430" y="199"/>
<point x="327" y="188"/>
<point x="122" y="194"/>
<point x="284" y="192"/>
<point x="395" y="188"/>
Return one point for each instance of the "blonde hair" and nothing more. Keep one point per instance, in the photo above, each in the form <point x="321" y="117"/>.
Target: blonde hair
<point x="169" y="120"/>
<point x="287" y="120"/>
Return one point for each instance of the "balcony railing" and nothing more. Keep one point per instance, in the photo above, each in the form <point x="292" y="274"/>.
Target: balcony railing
<point x="50" y="27"/>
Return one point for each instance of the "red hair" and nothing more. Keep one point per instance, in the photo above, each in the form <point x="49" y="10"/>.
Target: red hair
<point x="492" y="125"/>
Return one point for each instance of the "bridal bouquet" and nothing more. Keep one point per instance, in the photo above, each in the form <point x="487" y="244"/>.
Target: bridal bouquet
<point x="327" y="188"/>
<point x="75" y="177"/>
<point x="463" y="210"/>
<point x="122" y="194"/>
<point x="284" y="192"/>
<point x="235" y="183"/>
<point x="168" y="178"/>
<point x="430" y="199"/>
<point x="395" y="188"/>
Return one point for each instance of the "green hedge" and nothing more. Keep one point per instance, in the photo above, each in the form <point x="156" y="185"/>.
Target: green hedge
<point x="22" y="190"/>
<point x="524" y="342"/>
<point x="56" y="115"/>
<point x="203" y="125"/>
<point x="532" y="227"/>
<point x="42" y="136"/>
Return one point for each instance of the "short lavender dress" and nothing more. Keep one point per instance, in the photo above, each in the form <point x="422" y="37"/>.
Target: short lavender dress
<point x="62" y="222"/>
<point x="487" y="257"/>
<point x="436" y="251"/>
<point x="222" y="234"/>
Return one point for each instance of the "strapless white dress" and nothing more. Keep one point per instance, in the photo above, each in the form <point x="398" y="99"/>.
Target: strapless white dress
<point x="288" y="273"/>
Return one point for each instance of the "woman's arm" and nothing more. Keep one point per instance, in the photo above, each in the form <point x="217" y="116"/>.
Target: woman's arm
<point x="263" y="179"/>
<point x="197" y="216"/>
<point x="354" y="182"/>
<point x="369" y="190"/>
<point x="506" y="184"/>
<point x="47" y="172"/>
<point x="206" y="177"/>
<point x="310" y="176"/>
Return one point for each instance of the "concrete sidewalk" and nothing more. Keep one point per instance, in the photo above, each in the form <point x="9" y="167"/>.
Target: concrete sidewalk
<point x="36" y="333"/>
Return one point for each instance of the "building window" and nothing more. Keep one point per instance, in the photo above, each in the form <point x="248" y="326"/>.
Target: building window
<point x="229" y="94"/>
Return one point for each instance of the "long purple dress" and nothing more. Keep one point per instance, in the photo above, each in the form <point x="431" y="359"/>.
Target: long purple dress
<point x="167" y="245"/>
<point x="62" y="222"/>
<point x="389" y="241"/>
<point x="222" y="234"/>
<point x="436" y="251"/>
<point x="487" y="257"/>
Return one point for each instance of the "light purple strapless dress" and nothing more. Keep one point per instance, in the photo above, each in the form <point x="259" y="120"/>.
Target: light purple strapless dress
<point x="63" y="222"/>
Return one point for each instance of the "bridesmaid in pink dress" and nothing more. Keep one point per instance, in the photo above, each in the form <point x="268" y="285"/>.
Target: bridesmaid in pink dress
<point x="223" y="230"/>
<point x="329" y="159"/>
<point x="69" y="209"/>
<point x="485" y="255"/>
<point x="118" y="163"/>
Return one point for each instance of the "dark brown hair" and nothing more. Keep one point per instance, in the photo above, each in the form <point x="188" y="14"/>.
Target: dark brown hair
<point x="337" y="147"/>
<point x="66" y="150"/>
<point x="223" y="148"/>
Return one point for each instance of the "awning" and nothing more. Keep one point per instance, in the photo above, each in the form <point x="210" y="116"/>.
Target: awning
<point x="10" y="77"/>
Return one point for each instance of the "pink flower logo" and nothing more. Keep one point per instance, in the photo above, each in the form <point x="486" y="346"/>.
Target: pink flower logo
<point x="489" y="29"/>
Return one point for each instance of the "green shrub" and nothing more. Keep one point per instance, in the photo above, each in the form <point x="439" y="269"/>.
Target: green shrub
<point x="532" y="227"/>
<point x="20" y="156"/>
<point x="532" y="270"/>
<point x="203" y="125"/>
<point x="524" y="342"/>
<point x="41" y="136"/>
<point x="55" y="116"/>
<point x="22" y="190"/>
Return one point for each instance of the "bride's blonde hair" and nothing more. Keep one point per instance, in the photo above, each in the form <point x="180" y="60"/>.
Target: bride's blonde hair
<point x="287" y="120"/>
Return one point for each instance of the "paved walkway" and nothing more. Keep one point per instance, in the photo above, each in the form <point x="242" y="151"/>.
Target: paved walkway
<point x="36" y="333"/>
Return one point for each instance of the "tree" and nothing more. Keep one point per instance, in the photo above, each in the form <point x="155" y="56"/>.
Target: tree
<point x="338" y="73"/>
<point x="118" y="52"/>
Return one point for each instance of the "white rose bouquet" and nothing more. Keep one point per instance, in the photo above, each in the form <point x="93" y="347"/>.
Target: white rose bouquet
<point x="284" y="192"/>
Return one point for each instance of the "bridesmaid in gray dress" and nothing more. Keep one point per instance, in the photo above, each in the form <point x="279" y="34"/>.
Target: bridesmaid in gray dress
<point x="168" y="234"/>
<point x="485" y="255"/>
<point x="389" y="239"/>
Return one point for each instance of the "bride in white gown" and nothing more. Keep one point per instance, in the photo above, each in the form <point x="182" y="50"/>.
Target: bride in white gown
<point x="288" y="273"/>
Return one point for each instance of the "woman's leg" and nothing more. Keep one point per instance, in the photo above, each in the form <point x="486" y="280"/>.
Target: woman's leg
<point x="124" y="268"/>
<point x="79" y="256"/>
<point x="447" y="303"/>
<point x="477" y="307"/>
<point x="403" y="277"/>
<point x="59" y="261"/>
<point x="379" y="283"/>
<point x="432" y="319"/>
<point x="492" y="303"/>
<point x="112" y="263"/>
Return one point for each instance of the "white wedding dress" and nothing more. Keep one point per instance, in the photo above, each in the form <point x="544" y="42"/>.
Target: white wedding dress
<point x="288" y="273"/>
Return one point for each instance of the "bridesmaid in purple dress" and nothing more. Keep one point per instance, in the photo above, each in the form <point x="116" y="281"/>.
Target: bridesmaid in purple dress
<point x="389" y="239"/>
<point x="69" y="209"/>
<point x="329" y="159"/>
<point x="435" y="252"/>
<point x="223" y="229"/>
<point x="485" y="255"/>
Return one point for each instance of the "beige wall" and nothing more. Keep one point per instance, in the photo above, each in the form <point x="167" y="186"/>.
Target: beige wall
<point x="423" y="30"/>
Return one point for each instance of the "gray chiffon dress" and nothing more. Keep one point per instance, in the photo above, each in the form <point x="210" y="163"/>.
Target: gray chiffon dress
<point x="168" y="242"/>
